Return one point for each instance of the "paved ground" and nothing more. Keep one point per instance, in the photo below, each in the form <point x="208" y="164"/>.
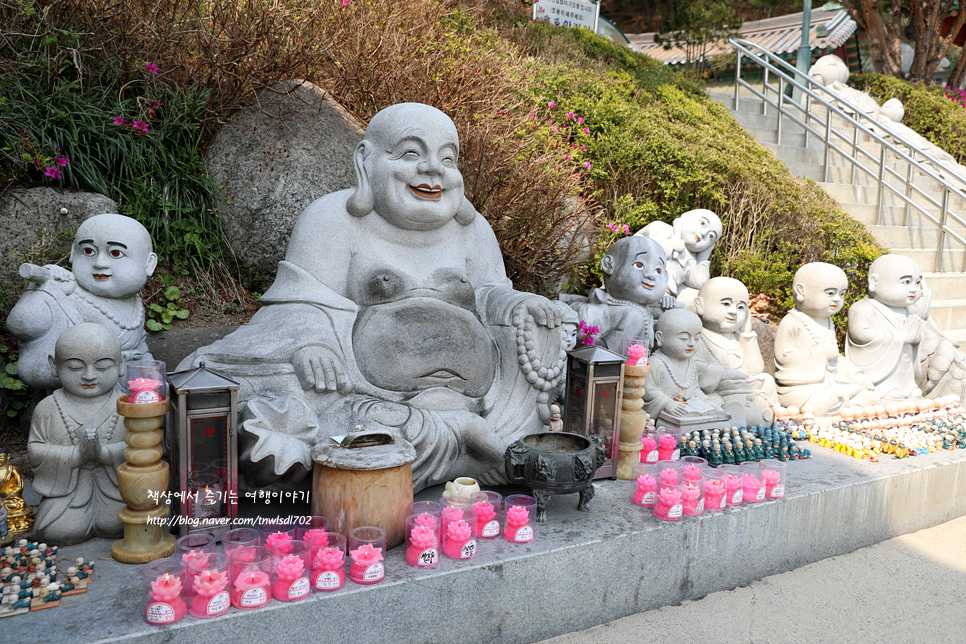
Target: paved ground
<point x="908" y="589"/>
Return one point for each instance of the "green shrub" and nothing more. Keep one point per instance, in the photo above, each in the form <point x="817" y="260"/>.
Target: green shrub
<point x="928" y="111"/>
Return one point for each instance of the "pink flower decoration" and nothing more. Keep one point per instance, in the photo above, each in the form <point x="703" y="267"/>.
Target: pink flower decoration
<point x="422" y="537"/>
<point x="452" y="514"/>
<point x="425" y="520"/>
<point x="484" y="511"/>
<point x="668" y="442"/>
<point x="53" y="173"/>
<point x="517" y="515"/>
<point x="151" y="67"/>
<point x="276" y="538"/>
<point x="636" y="352"/>
<point x="459" y="532"/>
<point x="210" y="582"/>
<point x="199" y="558"/>
<point x="586" y="130"/>
<point x="669" y="496"/>
<point x="366" y="555"/>
<point x="646" y="483"/>
<point x="290" y="567"/>
<point x="589" y="340"/>
<point x="649" y="444"/>
<point x="580" y="120"/>
<point x="329" y="559"/>
<point x="771" y="477"/>
<point x="691" y="473"/>
<point x="732" y="482"/>
<point x="714" y="487"/>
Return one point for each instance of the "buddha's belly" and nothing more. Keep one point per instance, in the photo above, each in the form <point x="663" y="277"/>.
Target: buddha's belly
<point x="418" y="343"/>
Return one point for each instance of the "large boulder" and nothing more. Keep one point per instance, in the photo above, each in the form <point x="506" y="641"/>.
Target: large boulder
<point x="276" y="159"/>
<point x="38" y="226"/>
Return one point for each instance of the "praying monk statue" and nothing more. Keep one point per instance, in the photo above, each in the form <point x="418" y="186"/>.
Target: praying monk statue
<point x="392" y="310"/>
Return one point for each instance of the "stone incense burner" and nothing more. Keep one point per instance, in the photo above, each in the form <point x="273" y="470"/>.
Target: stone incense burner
<point x="555" y="463"/>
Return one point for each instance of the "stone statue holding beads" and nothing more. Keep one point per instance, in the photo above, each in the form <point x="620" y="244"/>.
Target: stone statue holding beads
<point x="392" y="310"/>
<point x="111" y="259"/>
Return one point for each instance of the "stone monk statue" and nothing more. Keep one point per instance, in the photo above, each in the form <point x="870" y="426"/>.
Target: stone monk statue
<point x="392" y="310"/>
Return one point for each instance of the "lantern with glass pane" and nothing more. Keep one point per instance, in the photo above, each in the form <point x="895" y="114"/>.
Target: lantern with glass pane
<point x="203" y="448"/>
<point x="594" y="400"/>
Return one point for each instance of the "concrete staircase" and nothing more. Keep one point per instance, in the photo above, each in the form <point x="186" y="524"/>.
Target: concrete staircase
<point x="901" y="229"/>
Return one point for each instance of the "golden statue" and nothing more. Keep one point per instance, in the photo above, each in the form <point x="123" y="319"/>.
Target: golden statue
<point x="20" y="517"/>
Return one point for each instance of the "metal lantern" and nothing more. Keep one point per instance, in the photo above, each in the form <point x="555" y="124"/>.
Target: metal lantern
<point x="594" y="400"/>
<point x="203" y="448"/>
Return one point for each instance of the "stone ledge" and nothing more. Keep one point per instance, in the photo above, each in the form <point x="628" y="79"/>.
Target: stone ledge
<point x="583" y="569"/>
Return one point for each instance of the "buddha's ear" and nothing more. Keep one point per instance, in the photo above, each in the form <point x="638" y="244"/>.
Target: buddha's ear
<point x="873" y="279"/>
<point x="799" y="290"/>
<point x="361" y="202"/>
<point x="466" y="213"/>
<point x="657" y="338"/>
<point x="607" y="264"/>
<point x="151" y="264"/>
<point x="698" y="305"/>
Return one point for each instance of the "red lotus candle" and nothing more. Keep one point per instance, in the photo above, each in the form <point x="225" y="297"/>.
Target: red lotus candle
<point x="459" y="542"/>
<point x="291" y="570"/>
<point x="164" y="604"/>
<point x="692" y="503"/>
<point x="636" y="355"/>
<point x="210" y="598"/>
<point x="668" y="476"/>
<point x="252" y="590"/>
<point x="422" y="541"/>
<point x="649" y="453"/>
<point x="519" y="510"/>
<point x="644" y="495"/>
<point x="732" y="478"/>
<point x="666" y="447"/>
<point x="773" y="484"/>
<point x="752" y="490"/>
<point x="276" y="538"/>
<point x="668" y="506"/>
<point x="486" y="516"/>
<point x="328" y="567"/>
<point x="691" y="473"/>
<point x="366" y="566"/>
<point x="714" y="494"/>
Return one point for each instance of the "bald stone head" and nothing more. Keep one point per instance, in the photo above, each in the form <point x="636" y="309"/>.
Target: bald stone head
<point x="819" y="289"/>
<point x="635" y="269"/>
<point x="406" y="167"/>
<point x="112" y="256"/>
<point x="676" y="333"/>
<point x="895" y="280"/>
<point x="87" y="360"/>
<point x="722" y="304"/>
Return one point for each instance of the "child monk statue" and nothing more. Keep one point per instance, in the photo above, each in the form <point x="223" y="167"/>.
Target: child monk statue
<point x="77" y="440"/>
<point x="884" y="335"/>
<point x="808" y="367"/>
<point x="111" y="260"/>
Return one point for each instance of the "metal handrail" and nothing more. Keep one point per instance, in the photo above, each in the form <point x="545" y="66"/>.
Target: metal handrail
<point x="827" y="134"/>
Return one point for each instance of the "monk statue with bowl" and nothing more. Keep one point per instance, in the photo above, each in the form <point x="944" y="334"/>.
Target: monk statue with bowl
<point x="392" y="310"/>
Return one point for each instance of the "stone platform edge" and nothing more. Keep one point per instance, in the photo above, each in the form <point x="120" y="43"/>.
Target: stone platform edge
<point x="584" y="569"/>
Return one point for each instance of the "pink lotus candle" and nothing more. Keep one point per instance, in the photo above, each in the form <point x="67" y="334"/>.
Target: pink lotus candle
<point x="773" y="484"/>
<point x="143" y="390"/>
<point x="665" y="447"/>
<point x="668" y="477"/>
<point x="668" y="505"/>
<point x="486" y="517"/>
<point x="329" y="569"/>
<point x="422" y="551"/>
<point x="644" y="495"/>
<point x="207" y="504"/>
<point x="308" y="534"/>
<point x="211" y="599"/>
<point x="649" y="453"/>
<point x="636" y="355"/>
<point x="425" y="520"/>
<point x="252" y="590"/>
<point x="752" y="490"/>
<point x="691" y="502"/>
<point x="276" y="538"/>
<point x="366" y="566"/>
<point x="714" y="494"/>
<point x="166" y="606"/>
<point x="292" y="584"/>
<point x="735" y="494"/>
<point x="517" y="529"/>
<point x="691" y="473"/>
<point x="450" y="514"/>
<point x="459" y="542"/>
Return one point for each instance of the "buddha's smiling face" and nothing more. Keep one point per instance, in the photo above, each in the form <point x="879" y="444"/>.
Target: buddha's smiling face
<point x="896" y="283"/>
<point x="416" y="184"/>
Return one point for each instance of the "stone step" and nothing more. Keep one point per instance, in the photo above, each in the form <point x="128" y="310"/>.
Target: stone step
<point x="949" y="314"/>
<point x="903" y="236"/>
<point x="582" y="569"/>
<point x="947" y="286"/>
<point x="926" y="258"/>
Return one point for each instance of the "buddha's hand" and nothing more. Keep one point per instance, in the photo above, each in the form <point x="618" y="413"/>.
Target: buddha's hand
<point x="669" y="302"/>
<point x="831" y="350"/>
<point x="912" y="329"/>
<point x="676" y="409"/>
<point x="320" y="368"/>
<point x="544" y="313"/>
